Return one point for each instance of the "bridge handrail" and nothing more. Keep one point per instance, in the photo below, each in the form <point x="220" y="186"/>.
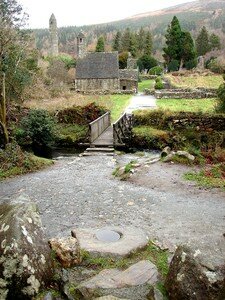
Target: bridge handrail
<point x="98" y="126"/>
<point x="122" y="129"/>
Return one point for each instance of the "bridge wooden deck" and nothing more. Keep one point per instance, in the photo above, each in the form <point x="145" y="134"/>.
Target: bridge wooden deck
<point x="105" y="139"/>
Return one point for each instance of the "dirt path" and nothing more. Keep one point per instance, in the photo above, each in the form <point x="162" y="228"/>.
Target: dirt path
<point x="81" y="192"/>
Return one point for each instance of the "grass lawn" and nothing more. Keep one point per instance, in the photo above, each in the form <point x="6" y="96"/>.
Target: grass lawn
<point x="115" y="103"/>
<point x="146" y="84"/>
<point x="191" y="105"/>
<point x="194" y="81"/>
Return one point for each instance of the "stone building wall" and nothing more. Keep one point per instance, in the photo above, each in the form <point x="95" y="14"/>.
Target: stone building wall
<point x="128" y="85"/>
<point x="97" y="84"/>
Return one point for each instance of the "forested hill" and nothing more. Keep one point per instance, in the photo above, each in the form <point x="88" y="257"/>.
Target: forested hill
<point x="192" y="16"/>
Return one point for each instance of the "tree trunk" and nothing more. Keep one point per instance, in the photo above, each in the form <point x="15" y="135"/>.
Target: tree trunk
<point x="181" y="65"/>
<point x="3" y="129"/>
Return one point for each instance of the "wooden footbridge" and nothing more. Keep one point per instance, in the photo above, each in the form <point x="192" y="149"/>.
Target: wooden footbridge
<point x="106" y="137"/>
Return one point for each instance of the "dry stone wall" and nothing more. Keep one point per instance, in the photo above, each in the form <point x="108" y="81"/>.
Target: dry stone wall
<point x="185" y="93"/>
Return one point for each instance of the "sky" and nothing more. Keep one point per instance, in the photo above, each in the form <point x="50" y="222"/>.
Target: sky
<point x="86" y="12"/>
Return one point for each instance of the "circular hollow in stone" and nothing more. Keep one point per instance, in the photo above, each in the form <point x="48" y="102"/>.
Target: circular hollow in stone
<point x="109" y="236"/>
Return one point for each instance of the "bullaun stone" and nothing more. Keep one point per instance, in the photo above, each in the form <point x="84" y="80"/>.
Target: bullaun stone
<point x="189" y="279"/>
<point x="25" y="261"/>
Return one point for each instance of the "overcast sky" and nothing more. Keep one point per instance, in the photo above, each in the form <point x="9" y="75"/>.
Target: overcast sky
<point x="85" y="12"/>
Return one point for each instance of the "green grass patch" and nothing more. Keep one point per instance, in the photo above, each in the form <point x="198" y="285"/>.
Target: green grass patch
<point x="194" y="81"/>
<point x="117" y="104"/>
<point x="151" y="252"/>
<point x="14" y="161"/>
<point x="146" y="84"/>
<point x="213" y="176"/>
<point x="188" y="105"/>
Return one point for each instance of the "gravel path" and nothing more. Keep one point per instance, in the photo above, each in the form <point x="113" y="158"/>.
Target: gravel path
<point x="81" y="192"/>
<point x="141" y="101"/>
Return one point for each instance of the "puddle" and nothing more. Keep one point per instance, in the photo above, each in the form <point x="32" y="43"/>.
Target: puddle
<point x="108" y="236"/>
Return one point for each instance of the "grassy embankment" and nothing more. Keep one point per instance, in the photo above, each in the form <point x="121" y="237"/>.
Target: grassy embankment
<point x="13" y="161"/>
<point x="195" y="81"/>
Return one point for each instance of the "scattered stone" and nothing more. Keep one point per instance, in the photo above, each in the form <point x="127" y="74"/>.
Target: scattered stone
<point x="132" y="239"/>
<point x="165" y="152"/>
<point x="67" y="251"/>
<point x="168" y="155"/>
<point x="186" y="154"/>
<point x="134" y="283"/>
<point x="189" y="278"/>
<point x="25" y="260"/>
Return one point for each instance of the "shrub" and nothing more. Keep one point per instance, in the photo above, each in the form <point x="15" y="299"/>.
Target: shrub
<point x="221" y="96"/>
<point x="159" y="84"/>
<point x="81" y="115"/>
<point x="173" y="66"/>
<point x="37" y="128"/>
<point x="157" y="70"/>
<point x="146" y="62"/>
<point x="215" y="66"/>
<point x="191" y="64"/>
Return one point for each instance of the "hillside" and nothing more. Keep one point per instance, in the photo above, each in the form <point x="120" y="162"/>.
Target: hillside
<point x="192" y="16"/>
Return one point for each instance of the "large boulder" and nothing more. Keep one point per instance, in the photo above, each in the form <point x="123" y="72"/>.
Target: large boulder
<point x="25" y="260"/>
<point x="189" y="278"/>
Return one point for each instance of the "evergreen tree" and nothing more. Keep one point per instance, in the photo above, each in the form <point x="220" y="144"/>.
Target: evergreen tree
<point x="141" y="37"/>
<point x="117" y="42"/>
<point x="148" y="44"/>
<point x="173" y="48"/>
<point x="214" y="42"/>
<point x="100" y="47"/>
<point x="202" y="42"/>
<point x="126" y="40"/>
<point x="133" y="45"/>
<point x="188" y="52"/>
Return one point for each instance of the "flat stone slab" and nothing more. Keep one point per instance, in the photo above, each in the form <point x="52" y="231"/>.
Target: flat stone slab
<point x="132" y="239"/>
<point x="140" y="277"/>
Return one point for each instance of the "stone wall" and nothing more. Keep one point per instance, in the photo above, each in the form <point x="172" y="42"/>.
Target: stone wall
<point x="185" y="93"/>
<point x="88" y="85"/>
<point x="180" y="120"/>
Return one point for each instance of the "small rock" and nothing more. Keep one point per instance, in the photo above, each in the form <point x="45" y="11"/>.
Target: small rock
<point x="186" y="154"/>
<point x="165" y="152"/>
<point x="67" y="251"/>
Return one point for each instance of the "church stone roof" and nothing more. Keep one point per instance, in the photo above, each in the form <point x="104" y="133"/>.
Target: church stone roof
<point x="128" y="74"/>
<point x="98" y="65"/>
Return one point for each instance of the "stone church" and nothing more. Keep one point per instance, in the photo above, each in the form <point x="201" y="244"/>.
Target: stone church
<point x="99" y="71"/>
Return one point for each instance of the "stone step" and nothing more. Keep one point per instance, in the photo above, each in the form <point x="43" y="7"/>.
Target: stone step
<point x="102" y="149"/>
<point x="135" y="283"/>
<point x="98" y="154"/>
